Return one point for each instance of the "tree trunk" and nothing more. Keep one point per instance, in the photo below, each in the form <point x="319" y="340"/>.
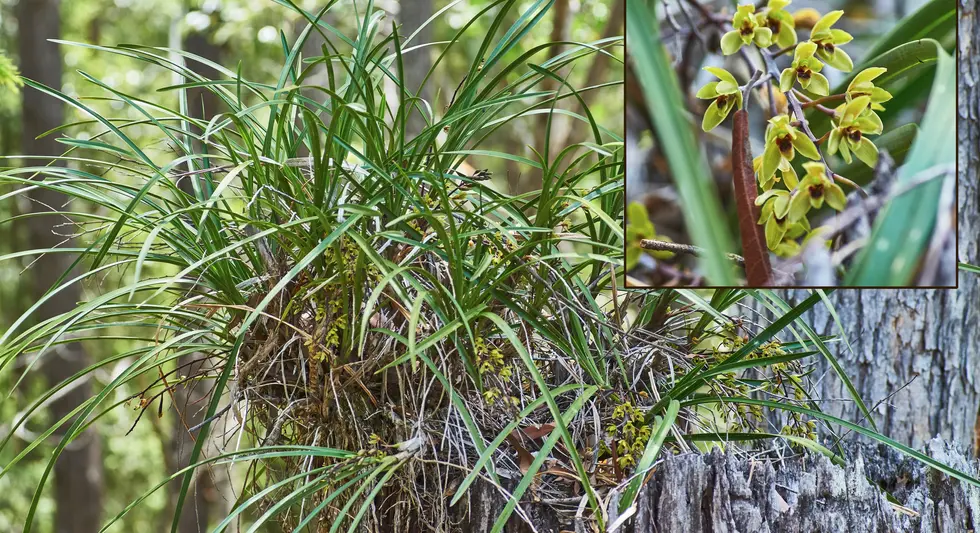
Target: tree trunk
<point x="78" y="472"/>
<point x="412" y="14"/>
<point x="209" y="491"/>
<point x="697" y="493"/>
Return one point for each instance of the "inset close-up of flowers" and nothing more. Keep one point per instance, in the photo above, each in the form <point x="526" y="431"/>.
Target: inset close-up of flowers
<point x="776" y="144"/>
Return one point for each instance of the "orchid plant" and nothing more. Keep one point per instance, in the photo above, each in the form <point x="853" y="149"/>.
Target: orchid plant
<point x="790" y="144"/>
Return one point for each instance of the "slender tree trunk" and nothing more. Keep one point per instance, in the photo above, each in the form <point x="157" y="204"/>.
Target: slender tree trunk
<point x="411" y="15"/>
<point x="211" y="486"/>
<point x="78" y="473"/>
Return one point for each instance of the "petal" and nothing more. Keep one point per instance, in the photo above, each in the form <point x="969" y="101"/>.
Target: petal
<point x="796" y="230"/>
<point x="770" y="161"/>
<point x="731" y="42"/>
<point x="869" y="123"/>
<point x="709" y="91"/>
<point x="879" y="95"/>
<point x="774" y="233"/>
<point x="799" y="205"/>
<point x="833" y="141"/>
<point x="787" y="248"/>
<point x="867" y="75"/>
<point x="766" y="213"/>
<point x="804" y="50"/>
<point x="866" y="151"/>
<point x="713" y="116"/>
<point x="786" y="80"/>
<point x="764" y="197"/>
<point x="839" y="37"/>
<point x="826" y="21"/>
<point x="840" y="60"/>
<point x="723" y="74"/>
<point x="788" y="155"/>
<point x="786" y="36"/>
<point x="844" y="151"/>
<point x="819" y="84"/>
<point x="854" y="108"/>
<point x="726" y="87"/>
<point x="780" y="206"/>
<point x="633" y="252"/>
<point x="790" y="178"/>
<point x="806" y="146"/>
<point x="817" y="202"/>
<point x="805" y="82"/>
<point x="775" y="5"/>
<point x="762" y="37"/>
<point x="835" y="196"/>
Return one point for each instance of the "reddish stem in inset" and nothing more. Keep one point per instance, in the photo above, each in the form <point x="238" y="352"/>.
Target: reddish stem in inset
<point x="758" y="271"/>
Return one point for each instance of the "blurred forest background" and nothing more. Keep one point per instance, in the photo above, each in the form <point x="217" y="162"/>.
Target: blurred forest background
<point x="98" y="475"/>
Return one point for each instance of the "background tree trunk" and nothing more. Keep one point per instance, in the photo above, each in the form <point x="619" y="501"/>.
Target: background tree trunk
<point x="210" y="491"/>
<point x="411" y="15"/>
<point x="78" y="473"/>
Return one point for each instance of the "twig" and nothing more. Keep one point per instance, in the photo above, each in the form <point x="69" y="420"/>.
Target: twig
<point x="783" y="51"/>
<point x="808" y="102"/>
<point x="664" y="246"/>
<point x="845" y="181"/>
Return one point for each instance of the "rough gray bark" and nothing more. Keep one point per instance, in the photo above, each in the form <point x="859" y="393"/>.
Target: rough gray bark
<point x="722" y="493"/>
<point x="78" y="472"/>
<point x="919" y="349"/>
<point x="727" y="493"/>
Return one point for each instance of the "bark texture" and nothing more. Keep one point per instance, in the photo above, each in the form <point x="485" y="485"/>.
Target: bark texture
<point x="722" y="493"/>
<point x="725" y="493"/>
<point x="78" y="472"/>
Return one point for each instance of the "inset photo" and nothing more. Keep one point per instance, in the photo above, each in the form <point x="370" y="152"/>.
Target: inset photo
<point x="796" y="144"/>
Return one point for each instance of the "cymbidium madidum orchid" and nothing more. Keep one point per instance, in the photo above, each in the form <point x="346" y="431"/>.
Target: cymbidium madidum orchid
<point x="726" y="96"/>
<point x="748" y="30"/>
<point x="849" y="133"/>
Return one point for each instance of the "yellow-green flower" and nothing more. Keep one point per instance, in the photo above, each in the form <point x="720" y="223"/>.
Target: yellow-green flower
<point x="782" y="142"/>
<point x="848" y="135"/>
<point x="780" y="22"/>
<point x="725" y="94"/>
<point x="775" y="216"/>
<point x="786" y="174"/>
<point x="747" y="30"/>
<point x="815" y="187"/>
<point x="806" y="69"/>
<point x="639" y="227"/>
<point x="789" y="247"/>
<point x="828" y="41"/>
<point x="863" y="85"/>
